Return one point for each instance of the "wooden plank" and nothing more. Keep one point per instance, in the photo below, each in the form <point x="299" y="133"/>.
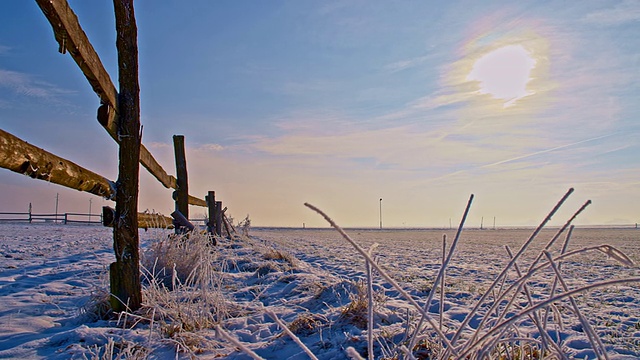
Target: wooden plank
<point x="197" y="201"/>
<point x="149" y="162"/>
<point x="126" y="289"/>
<point x="24" y="158"/>
<point x="181" y="223"/>
<point x="145" y="220"/>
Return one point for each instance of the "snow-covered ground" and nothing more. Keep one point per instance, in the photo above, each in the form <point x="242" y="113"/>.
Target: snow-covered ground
<point x="52" y="276"/>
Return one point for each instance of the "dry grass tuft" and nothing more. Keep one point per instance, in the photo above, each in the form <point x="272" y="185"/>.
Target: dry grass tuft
<point x="279" y="255"/>
<point x="266" y="269"/>
<point x="182" y="294"/>
<point x="175" y="257"/>
<point x="356" y="312"/>
<point x="99" y="306"/>
<point x="510" y="351"/>
<point x="307" y="324"/>
<point x="117" y="350"/>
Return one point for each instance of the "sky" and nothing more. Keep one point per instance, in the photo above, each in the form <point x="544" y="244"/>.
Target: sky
<point x="343" y="103"/>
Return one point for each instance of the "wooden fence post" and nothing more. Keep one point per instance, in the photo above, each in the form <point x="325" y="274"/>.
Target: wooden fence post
<point x="126" y="293"/>
<point x="226" y="223"/>
<point x="211" y="205"/>
<point x="219" y="218"/>
<point x="182" y="191"/>
<point x="180" y="221"/>
<point x="30" y="219"/>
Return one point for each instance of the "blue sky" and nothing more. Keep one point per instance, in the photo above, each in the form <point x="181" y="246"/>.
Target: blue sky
<point x="341" y="103"/>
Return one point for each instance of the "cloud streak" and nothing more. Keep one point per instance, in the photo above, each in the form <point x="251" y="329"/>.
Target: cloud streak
<point x="546" y="151"/>
<point x="27" y="85"/>
<point x="622" y="13"/>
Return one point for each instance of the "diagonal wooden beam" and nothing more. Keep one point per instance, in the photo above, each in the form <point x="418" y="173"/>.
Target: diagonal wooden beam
<point x="70" y="36"/>
<point x="107" y="117"/>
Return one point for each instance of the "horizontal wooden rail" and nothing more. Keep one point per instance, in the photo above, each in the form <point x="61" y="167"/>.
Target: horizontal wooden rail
<point x="196" y="201"/>
<point x="24" y="158"/>
<point x="145" y="220"/>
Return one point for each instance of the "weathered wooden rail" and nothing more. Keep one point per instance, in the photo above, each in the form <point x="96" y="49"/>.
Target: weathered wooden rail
<point x="21" y="157"/>
<point x="119" y="115"/>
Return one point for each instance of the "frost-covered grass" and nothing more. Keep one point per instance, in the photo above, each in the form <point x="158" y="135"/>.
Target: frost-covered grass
<point x="505" y="294"/>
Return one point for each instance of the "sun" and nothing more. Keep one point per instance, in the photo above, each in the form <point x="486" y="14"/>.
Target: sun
<point x="504" y="73"/>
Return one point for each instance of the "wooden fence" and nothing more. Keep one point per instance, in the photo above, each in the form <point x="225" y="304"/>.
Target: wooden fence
<point x="64" y="218"/>
<point x="119" y="115"/>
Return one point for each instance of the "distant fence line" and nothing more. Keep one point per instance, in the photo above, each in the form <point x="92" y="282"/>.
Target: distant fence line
<point x="146" y="219"/>
<point x="64" y="218"/>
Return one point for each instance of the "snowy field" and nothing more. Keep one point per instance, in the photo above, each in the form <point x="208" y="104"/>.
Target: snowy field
<point x="53" y="280"/>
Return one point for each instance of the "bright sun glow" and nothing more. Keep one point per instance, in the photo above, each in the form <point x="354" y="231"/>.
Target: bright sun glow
<point x="504" y="73"/>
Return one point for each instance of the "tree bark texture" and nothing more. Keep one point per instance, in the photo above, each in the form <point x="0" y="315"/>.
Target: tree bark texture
<point x="182" y="191"/>
<point x="125" y="272"/>
<point x="145" y="220"/>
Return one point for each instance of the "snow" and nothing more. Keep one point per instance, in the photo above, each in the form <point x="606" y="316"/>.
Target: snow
<point x="51" y="275"/>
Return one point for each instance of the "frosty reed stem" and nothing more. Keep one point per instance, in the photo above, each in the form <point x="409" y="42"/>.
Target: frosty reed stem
<point x="444" y="276"/>
<point x="541" y="305"/>
<point x="559" y="232"/>
<point x="521" y="282"/>
<point x="384" y="274"/>
<point x="291" y="334"/>
<point x="370" y="307"/>
<point x="565" y="245"/>
<point x="509" y="265"/>
<point x="237" y="343"/>
<point x="595" y="341"/>
<point x="546" y="339"/>
<point x="441" y="272"/>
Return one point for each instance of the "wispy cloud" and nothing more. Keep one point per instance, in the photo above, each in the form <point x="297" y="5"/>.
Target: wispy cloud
<point x="210" y="148"/>
<point x="4" y="49"/>
<point x="623" y="12"/>
<point x="28" y="85"/>
<point x="158" y="145"/>
<point x="408" y="63"/>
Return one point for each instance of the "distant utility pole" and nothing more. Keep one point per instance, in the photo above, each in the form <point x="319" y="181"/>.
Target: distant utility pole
<point x="380" y="213"/>
<point x="90" y="210"/>
<point x="55" y="221"/>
